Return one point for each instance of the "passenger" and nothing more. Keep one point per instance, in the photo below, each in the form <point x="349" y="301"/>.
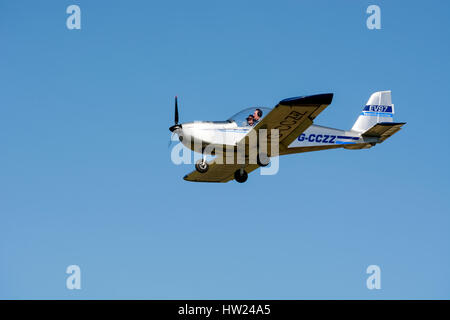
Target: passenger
<point x="257" y="114"/>
<point x="250" y="120"/>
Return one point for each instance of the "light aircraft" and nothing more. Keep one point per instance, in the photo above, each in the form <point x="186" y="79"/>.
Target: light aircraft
<point x="293" y="118"/>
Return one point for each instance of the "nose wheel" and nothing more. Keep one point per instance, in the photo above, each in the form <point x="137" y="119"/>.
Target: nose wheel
<point x="201" y="166"/>
<point x="240" y="175"/>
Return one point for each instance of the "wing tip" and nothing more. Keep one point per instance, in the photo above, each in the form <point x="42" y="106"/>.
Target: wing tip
<point x="322" y="98"/>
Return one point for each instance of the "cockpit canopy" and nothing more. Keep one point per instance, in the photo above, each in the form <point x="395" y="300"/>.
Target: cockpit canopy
<point x="241" y="117"/>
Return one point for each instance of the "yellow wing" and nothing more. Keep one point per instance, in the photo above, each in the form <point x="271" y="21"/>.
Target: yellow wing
<point x="293" y="116"/>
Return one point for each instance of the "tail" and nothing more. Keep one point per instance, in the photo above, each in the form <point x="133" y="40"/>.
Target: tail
<point x="378" y="109"/>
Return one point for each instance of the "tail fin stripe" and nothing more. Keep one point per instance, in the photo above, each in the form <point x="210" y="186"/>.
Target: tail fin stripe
<point x="376" y="114"/>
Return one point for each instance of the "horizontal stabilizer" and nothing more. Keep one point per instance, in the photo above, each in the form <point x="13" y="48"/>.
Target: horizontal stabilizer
<point x="383" y="130"/>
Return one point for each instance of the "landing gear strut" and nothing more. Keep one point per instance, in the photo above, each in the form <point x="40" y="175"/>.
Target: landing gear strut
<point x="201" y="165"/>
<point x="240" y="175"/>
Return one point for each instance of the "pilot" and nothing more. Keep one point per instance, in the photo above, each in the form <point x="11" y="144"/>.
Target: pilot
<point x="250" y="120"/>
<point x="257" y="114"/>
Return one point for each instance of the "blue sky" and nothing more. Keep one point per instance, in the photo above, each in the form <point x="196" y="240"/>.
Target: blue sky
<point x="86" y="176"/>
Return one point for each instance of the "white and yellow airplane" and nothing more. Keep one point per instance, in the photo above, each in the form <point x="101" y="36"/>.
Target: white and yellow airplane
<point x="293" y="118"/>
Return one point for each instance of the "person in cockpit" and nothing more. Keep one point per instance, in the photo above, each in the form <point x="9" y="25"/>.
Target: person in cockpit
<point x="257" y="114"/>
<point x="250" y="120"/>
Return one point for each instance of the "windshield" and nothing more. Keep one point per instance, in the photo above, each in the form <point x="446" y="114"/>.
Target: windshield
<point x="241" y="117"/>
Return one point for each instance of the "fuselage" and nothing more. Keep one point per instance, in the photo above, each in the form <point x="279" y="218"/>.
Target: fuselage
<point x="196" y="135"/>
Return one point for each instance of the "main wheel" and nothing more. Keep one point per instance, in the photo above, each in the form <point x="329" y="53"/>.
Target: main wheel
<point x="241" y="178"/>
<point x="263" y="159"/>
<point x="201" y="166"/>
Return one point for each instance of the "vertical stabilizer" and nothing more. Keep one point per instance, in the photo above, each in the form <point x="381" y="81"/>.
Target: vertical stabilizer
<point x="379" y="108"/>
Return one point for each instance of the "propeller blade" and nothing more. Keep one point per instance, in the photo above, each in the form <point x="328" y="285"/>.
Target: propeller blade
<point x="176" y="110"/>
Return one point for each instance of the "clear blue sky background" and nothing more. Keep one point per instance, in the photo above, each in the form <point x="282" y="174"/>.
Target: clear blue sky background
<point x="86" y="176"/>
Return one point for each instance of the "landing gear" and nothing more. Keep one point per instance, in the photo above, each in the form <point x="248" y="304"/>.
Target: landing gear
<point x="263" y="159"/>
<point x="240" y="175"/>
<point x="202" y="166"/>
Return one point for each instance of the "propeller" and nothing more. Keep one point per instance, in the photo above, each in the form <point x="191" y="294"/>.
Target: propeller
<point x="176" y="125"/>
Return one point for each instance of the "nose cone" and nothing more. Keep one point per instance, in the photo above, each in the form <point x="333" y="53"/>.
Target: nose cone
<point x="178" y="130"/>
<point x="175" y="127"/>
